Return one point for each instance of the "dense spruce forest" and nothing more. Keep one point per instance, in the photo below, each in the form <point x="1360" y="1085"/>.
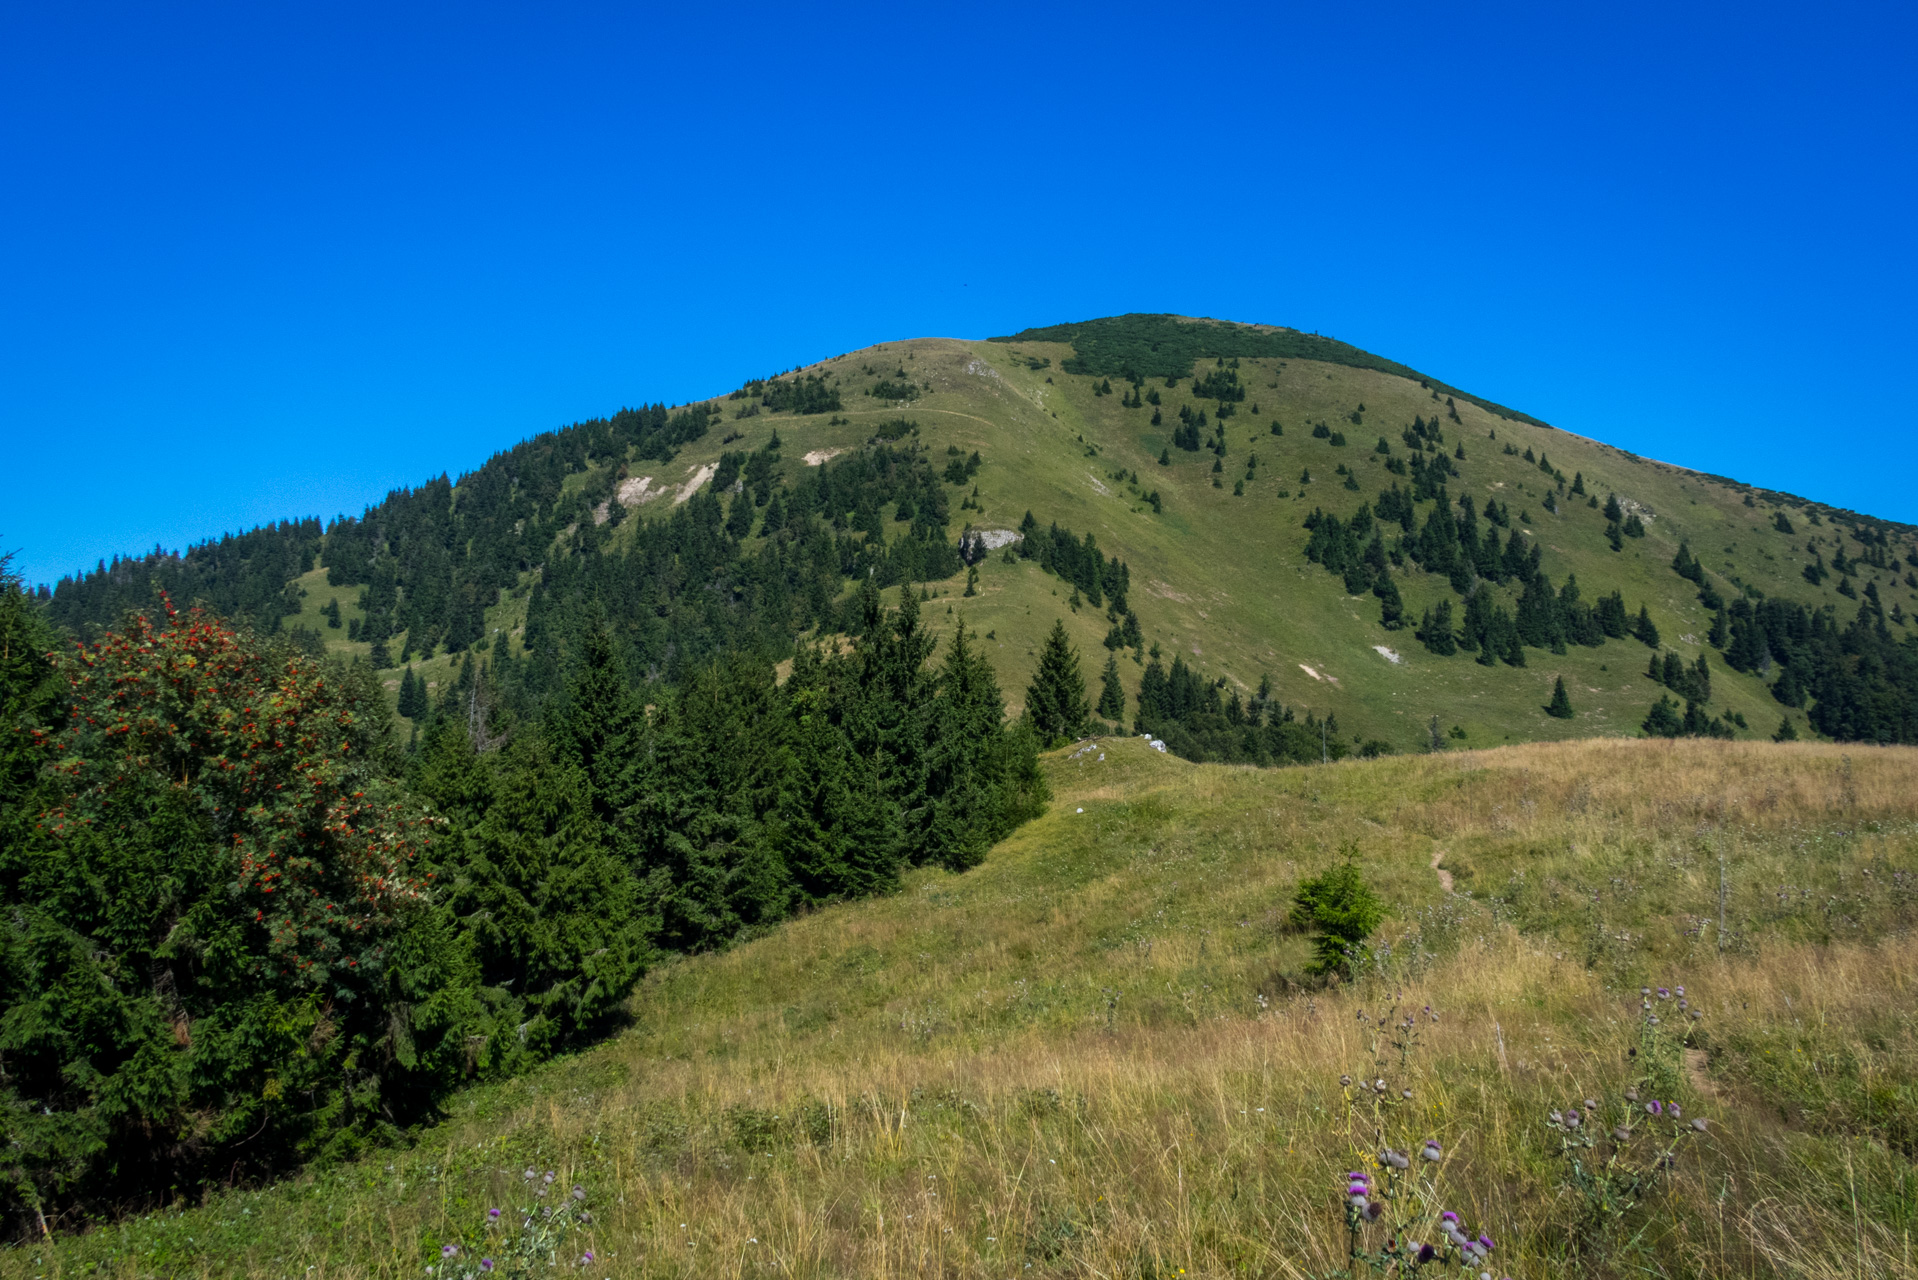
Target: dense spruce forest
<point x="247" y="928"/>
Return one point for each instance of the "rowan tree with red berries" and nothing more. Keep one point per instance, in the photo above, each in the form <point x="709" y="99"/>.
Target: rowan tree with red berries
<point x="223" y="950"/>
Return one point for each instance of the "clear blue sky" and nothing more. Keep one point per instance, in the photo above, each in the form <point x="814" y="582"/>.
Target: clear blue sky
<point x="271" y="260"/>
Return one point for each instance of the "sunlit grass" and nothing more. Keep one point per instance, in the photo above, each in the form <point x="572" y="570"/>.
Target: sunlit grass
<point x="1093" y="1056"/>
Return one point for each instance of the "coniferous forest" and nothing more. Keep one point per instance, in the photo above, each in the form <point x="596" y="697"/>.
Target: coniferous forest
<point x="249" y="929"/>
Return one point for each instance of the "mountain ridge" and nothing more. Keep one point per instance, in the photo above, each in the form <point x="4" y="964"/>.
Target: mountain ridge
<point x="1225" y="575"/>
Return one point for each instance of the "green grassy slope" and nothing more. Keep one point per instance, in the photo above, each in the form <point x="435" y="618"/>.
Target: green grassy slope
<point x="1223" y="580"/>
<point x="1089" y="1056"/>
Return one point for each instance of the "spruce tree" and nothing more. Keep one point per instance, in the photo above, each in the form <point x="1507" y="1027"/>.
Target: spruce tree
<point x="1112" y="693"/>
<point x="831" y="826"/>
<point x="1721" y="629"/>
<point x="1561" y="704"/>
<point x="1514" y="654"/>
<point x="1787" y="731"/>
<point x="1391" y="605"/>
<point x="968" y="788"/>
<point x="1663" y="720"/>
<point x="1435" y="629"/>
<point x="554" y="914"/>
<point x="1645" y="629"/>
<point x="1056" y="698"/>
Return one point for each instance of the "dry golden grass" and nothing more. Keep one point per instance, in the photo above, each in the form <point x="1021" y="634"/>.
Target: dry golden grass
<point x="1088" y="1057"/>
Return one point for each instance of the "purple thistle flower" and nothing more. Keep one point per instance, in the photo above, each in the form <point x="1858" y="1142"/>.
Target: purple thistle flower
<point x="579" y="1193"/>
<point x="1653" y="1107"/>
<point x="493" y="1214"/>
<point x="1671" y="1109"/>
<point x="1679" y="990"/>
<point x="1485" y="1243"/>
<point x="1448" y="1216"/>
<point x="1664" y="994"/>
<point x="486" y="1264"/>
<point x="587" y="1256"/>
<point x="449" y="1251"/>
<point x="1698" y="1123"/>
<point x="1345" y="1082"/>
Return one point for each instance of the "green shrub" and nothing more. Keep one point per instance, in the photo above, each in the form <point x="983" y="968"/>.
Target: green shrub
<point x="1341" y="911"/>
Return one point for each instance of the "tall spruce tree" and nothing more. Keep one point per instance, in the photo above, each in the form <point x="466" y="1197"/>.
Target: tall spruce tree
<point x="831" y="825"/>
<point x="1560" y="706"/>
<point x="1391" y="604"/>
<point x="1056" y="698"/>
<point x="967" y="765"/>
<point x="1111" y="692"/>
<point x="552" y="911"/>
<point x="1645" y="629"/>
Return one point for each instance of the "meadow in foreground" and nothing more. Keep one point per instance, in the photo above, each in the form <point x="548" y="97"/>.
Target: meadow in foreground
<point x="1096" y="1055"/>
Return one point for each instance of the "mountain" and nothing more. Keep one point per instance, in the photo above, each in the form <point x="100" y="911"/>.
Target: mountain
<point x="1238" y="499"/>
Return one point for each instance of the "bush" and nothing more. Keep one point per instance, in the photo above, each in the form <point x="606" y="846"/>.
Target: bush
<point x="1341" y="911"/>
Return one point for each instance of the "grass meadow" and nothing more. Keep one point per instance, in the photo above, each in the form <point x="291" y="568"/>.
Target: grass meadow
<point x="1095" y="1055"/>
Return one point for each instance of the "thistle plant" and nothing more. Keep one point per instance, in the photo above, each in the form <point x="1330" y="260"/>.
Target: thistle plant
<point x="1400" y="1196"/>
<point x="1401" y="1199"/>
<point x="1622" y="1152"/>
<point x="547" y="1238"/>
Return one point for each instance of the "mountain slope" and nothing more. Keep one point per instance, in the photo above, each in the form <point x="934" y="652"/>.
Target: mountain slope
<point x="1089" y="1055"/>
<point x="1219" y="572"/>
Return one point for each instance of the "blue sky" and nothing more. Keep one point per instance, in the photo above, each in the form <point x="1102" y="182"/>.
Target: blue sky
<point x="270" y="260"/>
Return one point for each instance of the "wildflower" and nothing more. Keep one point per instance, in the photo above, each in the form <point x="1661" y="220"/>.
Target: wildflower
<point x="1698" y="1123"/>
<point x="1432" y="1150"/>
<point x="586" y="1257"/>
<point x="1644" y="991"/>
<point x="1654" y="1108"/>
<point x="1664" y="994"/>
<point x="493" y="1214"/>
<point x="1591" y="1104"/>
<point x="1397" y="1159"/>
<point x="529" y="1175"/>
<point x="1372" y="1211"/>
<point x="579" y="1193"/>
<point x="1406" y="1094"/>
<point x="1424" y="1253"/>
<point x="1345" y="1082"/>
<point x="449" y="1251"/>
<point x="1679" y="990"/>
<point x="1378" y="1086"/>
<point x="486" y="1264"/>
<point x="549" y="1177"/>
<point x="1631" y="1095"/>
<point x="1622" y="1133"/>
<point x="1671" y="1109"/>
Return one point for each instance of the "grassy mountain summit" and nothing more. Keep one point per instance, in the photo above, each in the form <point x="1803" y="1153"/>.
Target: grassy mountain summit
<point x="1194" y="452"/>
